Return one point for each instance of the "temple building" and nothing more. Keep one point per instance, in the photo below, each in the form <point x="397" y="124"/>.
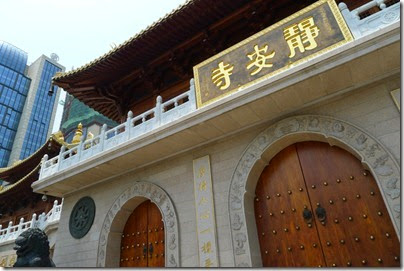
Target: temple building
<point x="251" y="134"/>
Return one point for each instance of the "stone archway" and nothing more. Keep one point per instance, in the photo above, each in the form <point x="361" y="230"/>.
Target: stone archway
<point x="116" y="217"/>
<point x="268" y="143"/>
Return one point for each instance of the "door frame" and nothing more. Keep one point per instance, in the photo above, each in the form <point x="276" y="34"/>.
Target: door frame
<point x="117" y="216"/>
<point x="372" y="154"/>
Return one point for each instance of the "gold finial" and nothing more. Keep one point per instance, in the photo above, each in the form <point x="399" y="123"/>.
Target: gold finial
<point x="78" y="134"/>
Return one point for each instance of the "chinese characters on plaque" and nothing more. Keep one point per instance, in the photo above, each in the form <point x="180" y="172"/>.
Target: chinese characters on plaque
<point x="302" y="36"/>
<point x="205" y="213"/>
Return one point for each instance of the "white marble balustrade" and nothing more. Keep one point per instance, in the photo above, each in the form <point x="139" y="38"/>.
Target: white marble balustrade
<point x="362" y="27"/>
<point x="162" y="114"/>
<point x="13" y="231"/>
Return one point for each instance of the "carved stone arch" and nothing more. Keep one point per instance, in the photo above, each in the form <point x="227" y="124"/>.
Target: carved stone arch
<point x="116" y="217"/>
<point x="373" y="155"/>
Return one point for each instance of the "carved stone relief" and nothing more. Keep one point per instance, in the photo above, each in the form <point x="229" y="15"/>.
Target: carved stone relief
<point x="371" y="152"/>
<point x="240" y="240"/>
<point x="82" y="217"/>
<point x="158" y="196"/>
<point x="172" y="262"/>
<point x="390" y="17"/>
<point x="236" y="222"/>
<point x="393" y="188"/>
<point x="172" y="242"/>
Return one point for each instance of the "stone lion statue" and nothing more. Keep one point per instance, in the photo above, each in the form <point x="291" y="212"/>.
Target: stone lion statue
<point x="32" y="248"/>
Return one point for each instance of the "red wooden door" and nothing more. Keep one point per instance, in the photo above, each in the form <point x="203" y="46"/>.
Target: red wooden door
<point x="142" y="243"/>
<point x="285" y="238"/>
<point x="349" y="223"/>
<point x="155" y="237"/>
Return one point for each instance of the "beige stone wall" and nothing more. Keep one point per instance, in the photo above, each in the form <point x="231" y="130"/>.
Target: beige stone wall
<point x="176" y="178"/>
<point x="370" y="108"/>
<point x="7" y="254"/>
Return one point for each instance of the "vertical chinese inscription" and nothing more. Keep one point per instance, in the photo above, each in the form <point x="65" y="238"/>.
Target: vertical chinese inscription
<point x="205" y="214"/>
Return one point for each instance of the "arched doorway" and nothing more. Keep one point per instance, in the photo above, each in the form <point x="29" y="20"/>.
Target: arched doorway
<point x="142" y="242"/>
<point x="316" y="205"/>
<point x="373" y="155"/>
<point x="109" y="248"/>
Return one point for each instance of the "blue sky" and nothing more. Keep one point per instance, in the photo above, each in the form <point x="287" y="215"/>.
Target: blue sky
<point x="78" y="31"/>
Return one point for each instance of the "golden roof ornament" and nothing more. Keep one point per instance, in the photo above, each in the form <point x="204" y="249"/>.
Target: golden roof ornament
<point x="58" y="136"/>
<point x="78" y="134"/>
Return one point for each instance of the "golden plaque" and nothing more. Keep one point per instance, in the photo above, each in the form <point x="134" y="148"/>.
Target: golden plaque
<point x="298" y="38"/>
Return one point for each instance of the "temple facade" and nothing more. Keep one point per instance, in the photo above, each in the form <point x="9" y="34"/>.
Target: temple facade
<point x="253" y="133"/>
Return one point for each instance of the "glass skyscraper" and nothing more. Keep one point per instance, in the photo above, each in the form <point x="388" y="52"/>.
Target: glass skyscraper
<point x="27" y="111"/>
<point x="41" y="113"/>
<point x="14" y="87"/>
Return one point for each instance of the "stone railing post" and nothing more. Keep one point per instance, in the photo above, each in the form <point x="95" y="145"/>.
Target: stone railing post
<point x="43" y="161"/>
<point x="80" y="147"/>
<point x="158" y="110"/>
<point x="19" y="229"/>
<point x="8" y="232"/>
<point x="351" y="20"/>
<point x="38" y="222"/>
<point x="381" y="4"/>
<point x="53" y="210"/>
<point x="60" y="159"/>
<point x="128" y="124"/>
<point x="33" y="221"/>
<point x="192" y="97"/>
<point x="41" y="221"/>
<point x="102" y="136"/>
